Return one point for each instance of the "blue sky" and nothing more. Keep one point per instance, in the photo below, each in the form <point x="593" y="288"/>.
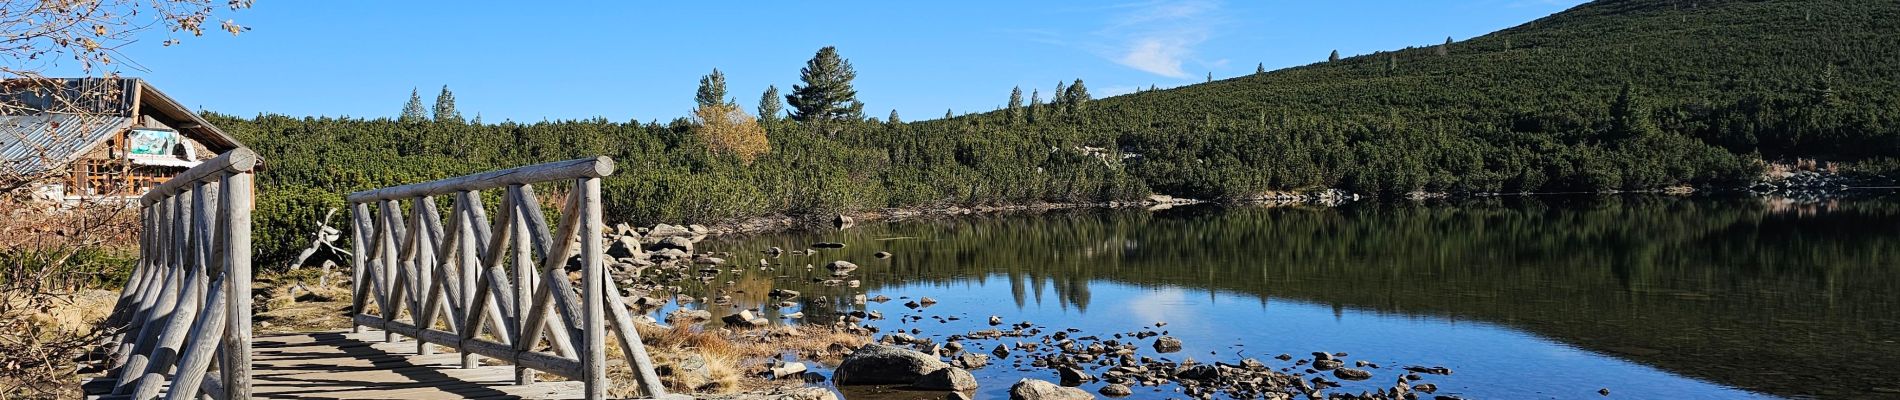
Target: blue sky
<point x="634" y="60"/>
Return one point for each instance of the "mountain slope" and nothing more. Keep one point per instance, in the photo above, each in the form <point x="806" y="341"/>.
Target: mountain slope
<point x="1533" y="107"/>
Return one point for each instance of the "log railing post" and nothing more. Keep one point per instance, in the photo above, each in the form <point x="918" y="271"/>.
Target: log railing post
<point x="188" y="300"/>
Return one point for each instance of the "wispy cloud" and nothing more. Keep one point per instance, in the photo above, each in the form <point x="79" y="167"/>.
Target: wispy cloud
<point x="1158" y="37"/>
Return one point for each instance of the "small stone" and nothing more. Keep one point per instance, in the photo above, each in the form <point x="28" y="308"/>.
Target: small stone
<point x="1604" y="391"/>
<point x="788" y="369"/>
<point x="970" y="360"/>
<point x="745" y="319"/>
<point x="1036" y="389"/>
<point x="1074" y="376"/>
<point x="1167" y="344"/>
<point x="1352" y="374"/>
<point x="952" y="378"/>
<point x="686" y="316"/>
<point x="841" y="267"/>
<point x="1115" y="390"/>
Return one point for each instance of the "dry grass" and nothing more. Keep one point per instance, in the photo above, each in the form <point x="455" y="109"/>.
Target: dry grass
<point x="46" y="339"/>
<point x="690" y="359"/>
<point x="295" y="302"/>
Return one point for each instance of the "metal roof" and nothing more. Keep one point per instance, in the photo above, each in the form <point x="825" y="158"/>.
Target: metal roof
<point x="31" y="144"/>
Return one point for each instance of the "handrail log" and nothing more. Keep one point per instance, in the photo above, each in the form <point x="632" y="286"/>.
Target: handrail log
<point x="570" y="169"/>
<point x="239" y="160"/>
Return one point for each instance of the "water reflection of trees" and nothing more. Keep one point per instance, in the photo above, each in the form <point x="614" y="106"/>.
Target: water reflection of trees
<point x="1723" y="289"/>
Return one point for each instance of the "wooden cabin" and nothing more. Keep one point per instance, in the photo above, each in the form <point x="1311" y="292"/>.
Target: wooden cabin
<point x="92" y="138"/>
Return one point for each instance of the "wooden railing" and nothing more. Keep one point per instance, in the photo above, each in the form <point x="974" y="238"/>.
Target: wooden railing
<point x="188" y="300"/>
<point x="496" y="282"/>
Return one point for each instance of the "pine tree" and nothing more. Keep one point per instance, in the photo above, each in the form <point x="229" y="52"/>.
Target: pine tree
<point x="1210" y="76"/>
<point x="947" y="114"/>
<point x="769" y="107"/>
<point x="413" y="112"/>
<point x="1078" y="95"/>
<point x="1628" y="117"/>
<point x="1392" y="63"/>
<point x="893" y="120"/>
<point x="1061" y="100"/>
<point x="1260" y="69"/>
<point x="1334" y="57"/>
<point x="1444" y="49"/>
<point x="712" y="89"/>
<point x="445" y="106"/>
<point x="1035" y="106"/>
<point x="477" y="120"/>
<point x="1015" y="105"/>
<point x="827" y="94"/>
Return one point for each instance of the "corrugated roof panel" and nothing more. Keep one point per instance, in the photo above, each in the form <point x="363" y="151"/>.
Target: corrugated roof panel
<point x="33" y="143"/>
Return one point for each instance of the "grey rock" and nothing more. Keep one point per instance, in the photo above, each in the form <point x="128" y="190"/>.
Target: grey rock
<point x="1115" y="390"/>
<point x="1074" y="376"/>
<point x="877" y="364"/>
<point x="951" y="378"/>
<point x="686" y="316"/>
<point x="1352" y="374"/>
<point x="841" y="267"/>
<point x="1167" y="344"/>
<point x="1035" y="389"/>
<point x="673" y="242"/>
<point x="745" y="319"/>
<point x="971" y="360"/>
<point x="664" y="230"/>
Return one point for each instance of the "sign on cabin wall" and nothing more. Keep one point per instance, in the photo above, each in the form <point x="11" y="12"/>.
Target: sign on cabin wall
<point x="151" y="142"/>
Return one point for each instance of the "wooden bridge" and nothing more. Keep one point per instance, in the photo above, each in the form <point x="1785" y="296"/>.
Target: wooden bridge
<point x="477" y="289"/>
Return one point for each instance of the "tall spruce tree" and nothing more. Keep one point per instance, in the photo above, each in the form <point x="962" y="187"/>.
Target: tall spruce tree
<point x="827" y="94"/>
<point x="712" y="89"/>
<point x="1628" y="116"/>
<point x="1444" y="49"/>
<point x="947" y="114"/>
<point x="769" y="107"/>
<point x="445" y="106"/>
<point x="413" y="111"/>
<point x="1334" y="57"/>
<point x="1015" y="105"/>
<point x="894" y="120"/>
<point x="1061" y="100"/>
<point x="1078" y="95"/>
<point x="1035" y="106"/>
<point x="1260" y="68"/>
<point x="1210" y="76"/>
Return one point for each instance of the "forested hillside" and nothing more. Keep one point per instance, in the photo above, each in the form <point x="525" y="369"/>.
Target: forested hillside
<point x="1611" y="95"/>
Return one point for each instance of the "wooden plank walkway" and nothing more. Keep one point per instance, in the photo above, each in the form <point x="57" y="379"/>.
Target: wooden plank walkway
<point x="343" y="365"/>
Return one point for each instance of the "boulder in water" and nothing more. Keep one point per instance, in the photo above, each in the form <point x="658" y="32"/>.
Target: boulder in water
<point x="1036" y="389"/>
<point x="878" y="364"/>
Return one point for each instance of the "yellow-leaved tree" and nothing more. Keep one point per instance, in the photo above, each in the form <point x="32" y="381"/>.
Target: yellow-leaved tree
<point x="722" y="125"/>
<point x="727" y="129"/>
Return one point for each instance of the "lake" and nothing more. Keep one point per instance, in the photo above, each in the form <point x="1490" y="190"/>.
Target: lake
<point x="1521" y="297"/>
